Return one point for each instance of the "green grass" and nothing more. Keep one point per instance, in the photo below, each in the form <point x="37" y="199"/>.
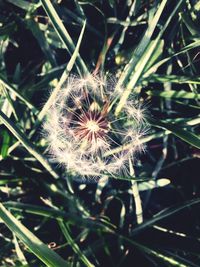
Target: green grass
<point x="152" y="50"/>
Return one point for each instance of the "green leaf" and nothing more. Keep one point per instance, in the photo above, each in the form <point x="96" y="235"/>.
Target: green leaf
<point x="45" y="254"/>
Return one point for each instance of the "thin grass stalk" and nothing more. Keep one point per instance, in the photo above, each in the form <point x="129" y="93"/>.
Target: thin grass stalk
<point x="65" y="229"/>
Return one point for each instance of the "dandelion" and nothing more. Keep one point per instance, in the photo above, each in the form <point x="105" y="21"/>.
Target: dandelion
<point x="83" y="133"/>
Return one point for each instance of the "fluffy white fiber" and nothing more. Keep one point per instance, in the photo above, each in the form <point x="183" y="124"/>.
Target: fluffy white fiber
<point x="82" y="132"/>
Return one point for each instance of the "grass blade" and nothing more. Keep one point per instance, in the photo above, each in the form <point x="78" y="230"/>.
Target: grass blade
<point x="63" y="77"/>
<point x="139" y="51"/>
<point x="26" y="143"/>
<point x="137" y="67"/>
<point x="174" y="94"/>
<point x="71" y="217"/>
<point x="62" y="33"/>
<point x="13" y="90"/>
<point x="165" y="213"/>
<point x="74" y="246"/>
<point x="45" y="254"/>
<point x="185" y="135"/>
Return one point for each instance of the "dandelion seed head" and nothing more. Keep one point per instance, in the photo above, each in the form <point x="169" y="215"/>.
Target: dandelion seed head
<point x="82" y="130"/>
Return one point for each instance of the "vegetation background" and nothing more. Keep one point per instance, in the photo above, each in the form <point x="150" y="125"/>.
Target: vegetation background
<point x="47" y="219"/>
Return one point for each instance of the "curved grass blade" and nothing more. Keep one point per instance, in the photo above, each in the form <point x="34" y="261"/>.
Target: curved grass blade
<point x="170" y="260"/>
<point x="152" y="69"/>
<point x="26" y="143"/>
<point x="59" y="215"/>
<point x="165" y="213"/>
<point x="45" y="254"/>
<point x="185" y="135"/>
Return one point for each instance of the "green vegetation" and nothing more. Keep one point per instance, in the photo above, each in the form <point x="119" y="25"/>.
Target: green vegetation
<point x="147" y="216"/>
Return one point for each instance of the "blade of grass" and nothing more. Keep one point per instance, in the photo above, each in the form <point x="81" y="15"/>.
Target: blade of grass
<point x="193" y="45"/>
<point x="71" y="217"/>
<point x="173" y="261"/>
<point x="19" y="252"/>
<point x="24" y="4"/>
<point x="8" y="107"/>
<point x="63" y="77"/>
<point x="62" y="33"/>
<point x="27" y="144"/>
<point x="76" y="249"/>
<point x="183" y="121"/>
<point x="142" y="141"/>
<point x="138" y="52"/>
<point x="185" y="135"/>
<point x="136" y="195"/>
<point x="40" y="37"/>
<point x="186" y="104"/>
<point x="173" y="79"/>
<point x="13" y="90"/>
<point x="174" y="94"/>
<point x="144" y="58"/>
<point x="11" y="148"/>
<point x="5" y="144"/>
<point x="164" y="214"/>
<point x="45" y="254"/>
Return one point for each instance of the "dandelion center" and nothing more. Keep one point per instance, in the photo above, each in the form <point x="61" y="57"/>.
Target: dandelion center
<point x="92" y="126"/>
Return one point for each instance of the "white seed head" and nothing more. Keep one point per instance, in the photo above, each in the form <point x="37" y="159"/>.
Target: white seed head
<point x="82" y="132"/>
